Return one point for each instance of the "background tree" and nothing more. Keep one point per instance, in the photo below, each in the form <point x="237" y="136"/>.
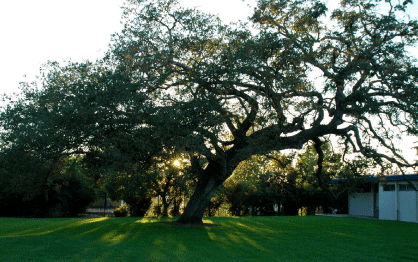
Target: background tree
<point x="254" y="188"/>
<point x="33" y="187"/>
<point x="285" y="184"/>
<point x="171" y="180"/>
<point x="319" y="190"/>
<point x="133" y="188"/>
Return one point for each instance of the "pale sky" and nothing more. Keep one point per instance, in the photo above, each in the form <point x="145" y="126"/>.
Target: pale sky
<point x="35" y="31"/>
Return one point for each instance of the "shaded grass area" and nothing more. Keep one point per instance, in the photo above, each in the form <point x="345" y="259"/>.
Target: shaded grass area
<point x="237" y="239"/>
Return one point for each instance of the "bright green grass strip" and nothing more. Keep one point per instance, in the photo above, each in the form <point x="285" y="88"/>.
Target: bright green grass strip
<point x="237" y="239"/>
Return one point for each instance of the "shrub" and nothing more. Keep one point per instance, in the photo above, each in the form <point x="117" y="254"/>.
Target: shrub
<point x="121" y="211"/>
<point x="138" y="206"/>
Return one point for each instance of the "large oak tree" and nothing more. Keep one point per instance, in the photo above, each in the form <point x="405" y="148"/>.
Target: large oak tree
<point x="179" y="79"/>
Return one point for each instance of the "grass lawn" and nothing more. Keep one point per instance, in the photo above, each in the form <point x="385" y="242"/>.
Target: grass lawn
<point x="313" y="238"/>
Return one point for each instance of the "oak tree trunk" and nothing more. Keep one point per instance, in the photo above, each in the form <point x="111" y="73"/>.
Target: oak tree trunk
<point x="193" y="213"/>
<point x="165" y="206"/>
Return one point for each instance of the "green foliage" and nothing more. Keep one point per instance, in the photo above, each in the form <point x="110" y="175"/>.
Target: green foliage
<point x="121" y="211"/>
<point x="30" y="187"/>
<point x="138" y="206"/>
<point x="133" y="189"/>
<point x="162" y="179"/>
<point x="172" y="181"/>
<point x="215" y="204"/>
<point x="253" y="191"/>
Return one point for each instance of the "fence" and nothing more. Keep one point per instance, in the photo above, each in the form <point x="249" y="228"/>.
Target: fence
<point x="102" y="207"/>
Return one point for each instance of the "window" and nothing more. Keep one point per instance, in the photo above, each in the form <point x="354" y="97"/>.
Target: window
<point x="406" y="187"/>
<point x="388" y="187"/>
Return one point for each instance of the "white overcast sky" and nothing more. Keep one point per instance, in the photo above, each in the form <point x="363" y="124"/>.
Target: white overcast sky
<point x="35" y="31"/>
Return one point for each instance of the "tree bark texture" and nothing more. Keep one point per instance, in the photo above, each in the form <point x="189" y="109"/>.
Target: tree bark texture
<point x="193" y="213"/>
<point x="165" y="206"/>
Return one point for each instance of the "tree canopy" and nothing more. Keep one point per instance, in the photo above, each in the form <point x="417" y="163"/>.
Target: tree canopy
<point x="178" y="79"/>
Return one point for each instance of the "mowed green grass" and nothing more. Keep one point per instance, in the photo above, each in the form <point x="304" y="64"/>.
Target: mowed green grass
<point x="313" y="238"/>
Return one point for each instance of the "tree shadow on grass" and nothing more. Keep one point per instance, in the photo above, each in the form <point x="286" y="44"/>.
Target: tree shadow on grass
<point x="236" y="239"/>
<point x="129" y="239"/>
<point x="150" y="240"/>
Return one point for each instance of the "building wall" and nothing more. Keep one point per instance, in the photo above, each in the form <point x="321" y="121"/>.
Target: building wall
<point x="398" y="204"/>
<point x="396" y="200"/>
<point x="361" y="204"/>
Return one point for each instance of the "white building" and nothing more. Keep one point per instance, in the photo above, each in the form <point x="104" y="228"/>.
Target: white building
<point x="387" y="198"/>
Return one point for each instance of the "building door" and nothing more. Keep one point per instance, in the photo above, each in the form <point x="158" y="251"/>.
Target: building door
<point x="387" y="202"/>
<point x="407" y="203"/>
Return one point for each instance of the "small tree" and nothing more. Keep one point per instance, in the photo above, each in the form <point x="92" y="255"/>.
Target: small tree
<point x="170" y="182"/>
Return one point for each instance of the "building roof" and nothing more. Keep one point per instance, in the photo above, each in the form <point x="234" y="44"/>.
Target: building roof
<point x="383" y="178"/>
<point x="399" y="177"/>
